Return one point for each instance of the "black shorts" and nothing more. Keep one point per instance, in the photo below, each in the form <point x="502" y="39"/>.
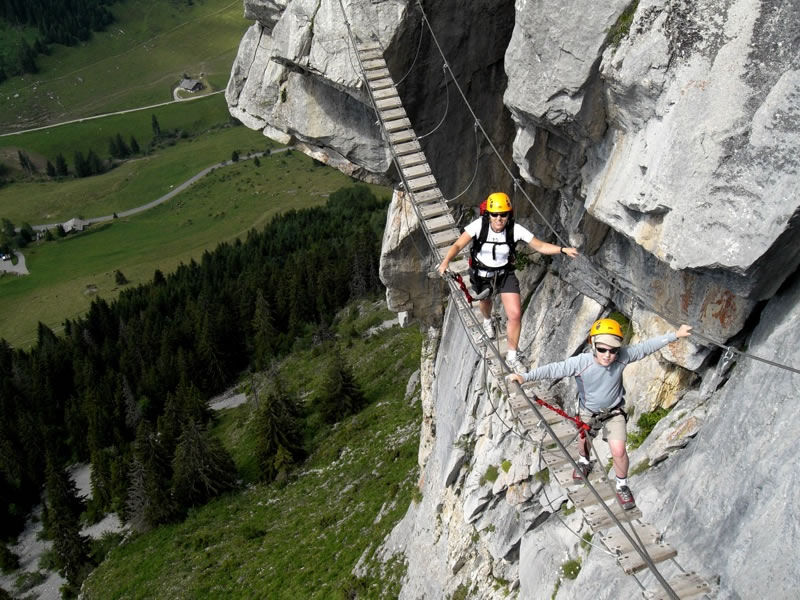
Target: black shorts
<point x="507" y="283"/>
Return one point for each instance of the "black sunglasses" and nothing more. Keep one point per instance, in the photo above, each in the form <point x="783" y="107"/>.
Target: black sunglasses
<point x="501" y="215"/>
<point x="604" y="350"/>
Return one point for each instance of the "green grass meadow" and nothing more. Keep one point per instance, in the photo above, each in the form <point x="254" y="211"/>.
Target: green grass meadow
<point x="133" y="183"/>
<point x="191" y="118"/>
<point x="67" y="274"/>
<point x="301" y="539"/>
<point x="135" y="62"/>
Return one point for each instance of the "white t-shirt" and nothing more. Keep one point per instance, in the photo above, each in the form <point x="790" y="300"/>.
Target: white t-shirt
<point x="501" y="250"/>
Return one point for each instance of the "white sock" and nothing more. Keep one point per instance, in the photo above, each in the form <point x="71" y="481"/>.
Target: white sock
<point x="487" y="321"/>
<point x="511" y="355"/>
<point x="621" y="481"/>
<point x="583" y="460"/>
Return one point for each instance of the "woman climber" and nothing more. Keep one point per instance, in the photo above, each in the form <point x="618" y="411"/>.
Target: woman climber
<point x="494" y="237"/>
<point x="601" y="394"/>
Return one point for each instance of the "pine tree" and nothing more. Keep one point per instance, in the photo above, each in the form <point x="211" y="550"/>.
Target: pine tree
<point x="279" y="440"/>
<point x="64" y="509"/>
<point x="202" y="468"/>
<point x="50" y="169"/>
<point x="61" y="165"/>
<point x="134" y="146"/>
<point x="82" y="168"/>
<point x="95" y="164"/>
<point x="149" y="500"/>
<point x="156" y="127"/>
<point x="122" y="147"/>
<point x="113" y="149"/>
<point x="264" y="333"/>
<point x="26" y="58"/>
<point x="339" y="395"/>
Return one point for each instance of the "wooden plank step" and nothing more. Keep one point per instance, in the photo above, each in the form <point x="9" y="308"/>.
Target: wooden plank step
<point x="422" y="183"/>
<point x="563" y="475"/>
<point x="435" y="209"/>
<point x="404" y="135"/>
<point x="388" y="103"/>
<point x="398" y="125"/>
<point x="373" y="64"/>
<point x="412" y="159"/>
<point x="427" y="195"/>
<point x="445" y="238"/>
<point x="518" y="403"/>
<point x="687" y="586"/>
<point x="554" y="457"/>
<point x="388" y="92"/>
<point x="370" y="53"/>
<point x="598" y="518"/>
<point x="379" y="84"/>
<point x="377" y="74"/>
<point x="365" y="46"/>
<point x="564" y="430"/>
<point x="407" y="148"/>
<point x="582" y="496"/>
<point x="459" y="265"/>
<point x="630" y="560"/>
<point x="417" y="171"/>
<point x="392" y="114"/>
<point x="529" y="419"/>
<point x="437" y="224"/>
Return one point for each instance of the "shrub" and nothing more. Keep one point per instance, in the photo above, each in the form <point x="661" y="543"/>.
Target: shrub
<point x="490" y="475"/>
<point x="571" y="568"/>
<point x="646" y="422"/>
<point x="621" y="28"/>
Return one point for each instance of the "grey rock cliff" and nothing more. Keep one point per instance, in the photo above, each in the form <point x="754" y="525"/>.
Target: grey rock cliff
<point x="661" y="138"/>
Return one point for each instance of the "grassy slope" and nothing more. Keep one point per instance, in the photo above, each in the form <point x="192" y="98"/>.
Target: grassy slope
<point x="222" y="206"/>
<point x="135" y="62"/>
<point x="301" y="540"/>
<point x="133" y="183"/>
<point x="191" y="117"/>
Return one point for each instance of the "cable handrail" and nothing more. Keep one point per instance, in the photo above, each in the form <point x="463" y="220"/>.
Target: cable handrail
<point x="461" y="304"/>
<point x="593" y="267"/>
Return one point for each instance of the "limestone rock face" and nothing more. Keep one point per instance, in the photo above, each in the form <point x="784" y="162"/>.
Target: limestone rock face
<point x="684" y="172"/>
<point x="294" y="79"/>
<point x="406" y="263"/>
<point x="660" y="138"/>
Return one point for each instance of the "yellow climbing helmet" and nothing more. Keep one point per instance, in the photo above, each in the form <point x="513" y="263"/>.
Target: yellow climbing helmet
<point x="498" y="202"/>
<point x="607" y="327"/>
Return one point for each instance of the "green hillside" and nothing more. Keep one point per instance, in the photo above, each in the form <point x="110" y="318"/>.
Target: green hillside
<point x="135" y="62"/>
<point x="303" y="538"/>
<point x="67" y="274"/>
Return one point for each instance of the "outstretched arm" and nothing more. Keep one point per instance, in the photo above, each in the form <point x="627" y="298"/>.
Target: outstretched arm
<point x="683" y="331"/>
<point x="457" y="246"/>
<point x="551" y="249"/>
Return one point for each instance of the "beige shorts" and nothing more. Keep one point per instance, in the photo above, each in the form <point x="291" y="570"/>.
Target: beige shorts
<point x="613" y="429"/>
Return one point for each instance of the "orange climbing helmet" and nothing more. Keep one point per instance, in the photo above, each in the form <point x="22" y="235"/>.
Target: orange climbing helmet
<point x="498" y="202"/>
<point x="606" y="331"/>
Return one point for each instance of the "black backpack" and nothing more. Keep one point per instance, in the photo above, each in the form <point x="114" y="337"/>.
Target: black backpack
<point x="478" y="242"/>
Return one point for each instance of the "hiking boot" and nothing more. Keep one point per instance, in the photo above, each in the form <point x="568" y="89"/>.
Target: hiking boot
<point x="488" y="327"/>
<point x="584" y="468"/>
<point x="515" y="364"/>
<point x="625" y="497"/>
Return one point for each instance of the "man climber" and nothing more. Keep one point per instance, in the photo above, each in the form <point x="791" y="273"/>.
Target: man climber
<point x="494" y="237"/>
<point x="600" y="391"/>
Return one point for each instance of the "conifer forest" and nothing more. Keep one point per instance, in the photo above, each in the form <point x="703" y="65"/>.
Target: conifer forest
<point x="126" y="386"/>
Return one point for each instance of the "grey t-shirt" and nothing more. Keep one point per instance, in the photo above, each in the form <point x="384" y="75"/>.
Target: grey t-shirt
<point x="601" y="387"/>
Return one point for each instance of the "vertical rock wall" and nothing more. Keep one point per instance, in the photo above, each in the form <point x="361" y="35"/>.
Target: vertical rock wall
<point x="659" y="136"/>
